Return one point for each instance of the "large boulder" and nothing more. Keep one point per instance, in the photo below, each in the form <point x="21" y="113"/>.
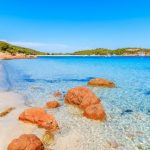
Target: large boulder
<point x="26" y="142"/>
<point x="81" y="97"/>
<point x="52" y="104"/>
<point x="99" y="82"/>
<point x="95" y="112"/>
<point x="39" y="117"/>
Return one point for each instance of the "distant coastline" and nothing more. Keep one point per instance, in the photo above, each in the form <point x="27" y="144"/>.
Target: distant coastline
<point x="109" y="52"/>
<point x="22" y="56"/>
<point x="91" y="55"/>
<point x="9" y="51"/>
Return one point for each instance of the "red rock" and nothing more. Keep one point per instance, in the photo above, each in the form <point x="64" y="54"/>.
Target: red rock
<point x="113" y="144"/>
<point x="101" y="82"/>
<point x="57" y="94"/>
<point x="26" y="142"/>
<point x="52" y="104"/>
<point x="95" y="112"/>
<point x="81" y="97"/>
<point x="39" y="117"/>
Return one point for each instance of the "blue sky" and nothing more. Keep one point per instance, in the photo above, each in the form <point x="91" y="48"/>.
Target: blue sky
<point x="69" y="25"/>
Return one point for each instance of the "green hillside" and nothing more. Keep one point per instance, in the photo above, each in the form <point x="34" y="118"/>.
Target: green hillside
<point x="12" y="49"/>
<point x="121" y="51"/>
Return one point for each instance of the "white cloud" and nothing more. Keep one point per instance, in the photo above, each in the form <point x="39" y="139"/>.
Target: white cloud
<point x="47" y="47"/>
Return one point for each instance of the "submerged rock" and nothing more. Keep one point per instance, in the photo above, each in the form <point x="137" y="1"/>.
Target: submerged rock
<point x="129" y="111"/>
<point x="113" y="144"/>
<point x="148" y="112"/>
<point x="57" y="94"/>
<point x="147" y="93"/>
<point x="99" y="82"/>
<point x="52" y="104"/>
<point x="39" y="117"/>
<point x="26" y="142"/>
<point x="95" y="112"/>
<point x="6" y="111"/>
<point x="81" y="96"/>
<point x="48" y="138"/>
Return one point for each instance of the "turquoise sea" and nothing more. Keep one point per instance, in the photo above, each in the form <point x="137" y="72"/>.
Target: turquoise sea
<point x="38" y="78"/>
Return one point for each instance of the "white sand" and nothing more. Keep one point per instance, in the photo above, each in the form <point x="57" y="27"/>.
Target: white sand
<point x="10" y="126"/>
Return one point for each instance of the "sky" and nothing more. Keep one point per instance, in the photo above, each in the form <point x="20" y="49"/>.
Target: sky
<point x="70" y="25"/>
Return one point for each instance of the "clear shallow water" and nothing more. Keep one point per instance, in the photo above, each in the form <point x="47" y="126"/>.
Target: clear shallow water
<point x="4" y="80"/>
<point x="127" y="106"/>
<point x="38" y="78"/>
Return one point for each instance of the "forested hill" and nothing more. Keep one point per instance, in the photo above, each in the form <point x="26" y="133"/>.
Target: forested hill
<point x="12" y="49"/>
<point x="121" y="51"/>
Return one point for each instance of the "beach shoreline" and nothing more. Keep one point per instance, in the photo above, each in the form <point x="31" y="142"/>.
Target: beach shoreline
<point x="22" y="56"/>
<point x="93" y="55"/>
<point x="6" y="56"/>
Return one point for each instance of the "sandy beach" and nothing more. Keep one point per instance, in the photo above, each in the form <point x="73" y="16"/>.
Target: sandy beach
<point x="10" y="127"/>
<point x="16" y="56"/>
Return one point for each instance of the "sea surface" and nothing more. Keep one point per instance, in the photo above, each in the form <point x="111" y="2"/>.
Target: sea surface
<point x="37" y="79"/>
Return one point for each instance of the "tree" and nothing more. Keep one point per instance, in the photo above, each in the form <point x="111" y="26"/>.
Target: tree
<point x="3" y="46"/>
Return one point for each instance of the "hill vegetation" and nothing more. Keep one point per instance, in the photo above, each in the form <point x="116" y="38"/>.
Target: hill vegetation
<point x="120" y="51"/>
<point x="13" y="50"/>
